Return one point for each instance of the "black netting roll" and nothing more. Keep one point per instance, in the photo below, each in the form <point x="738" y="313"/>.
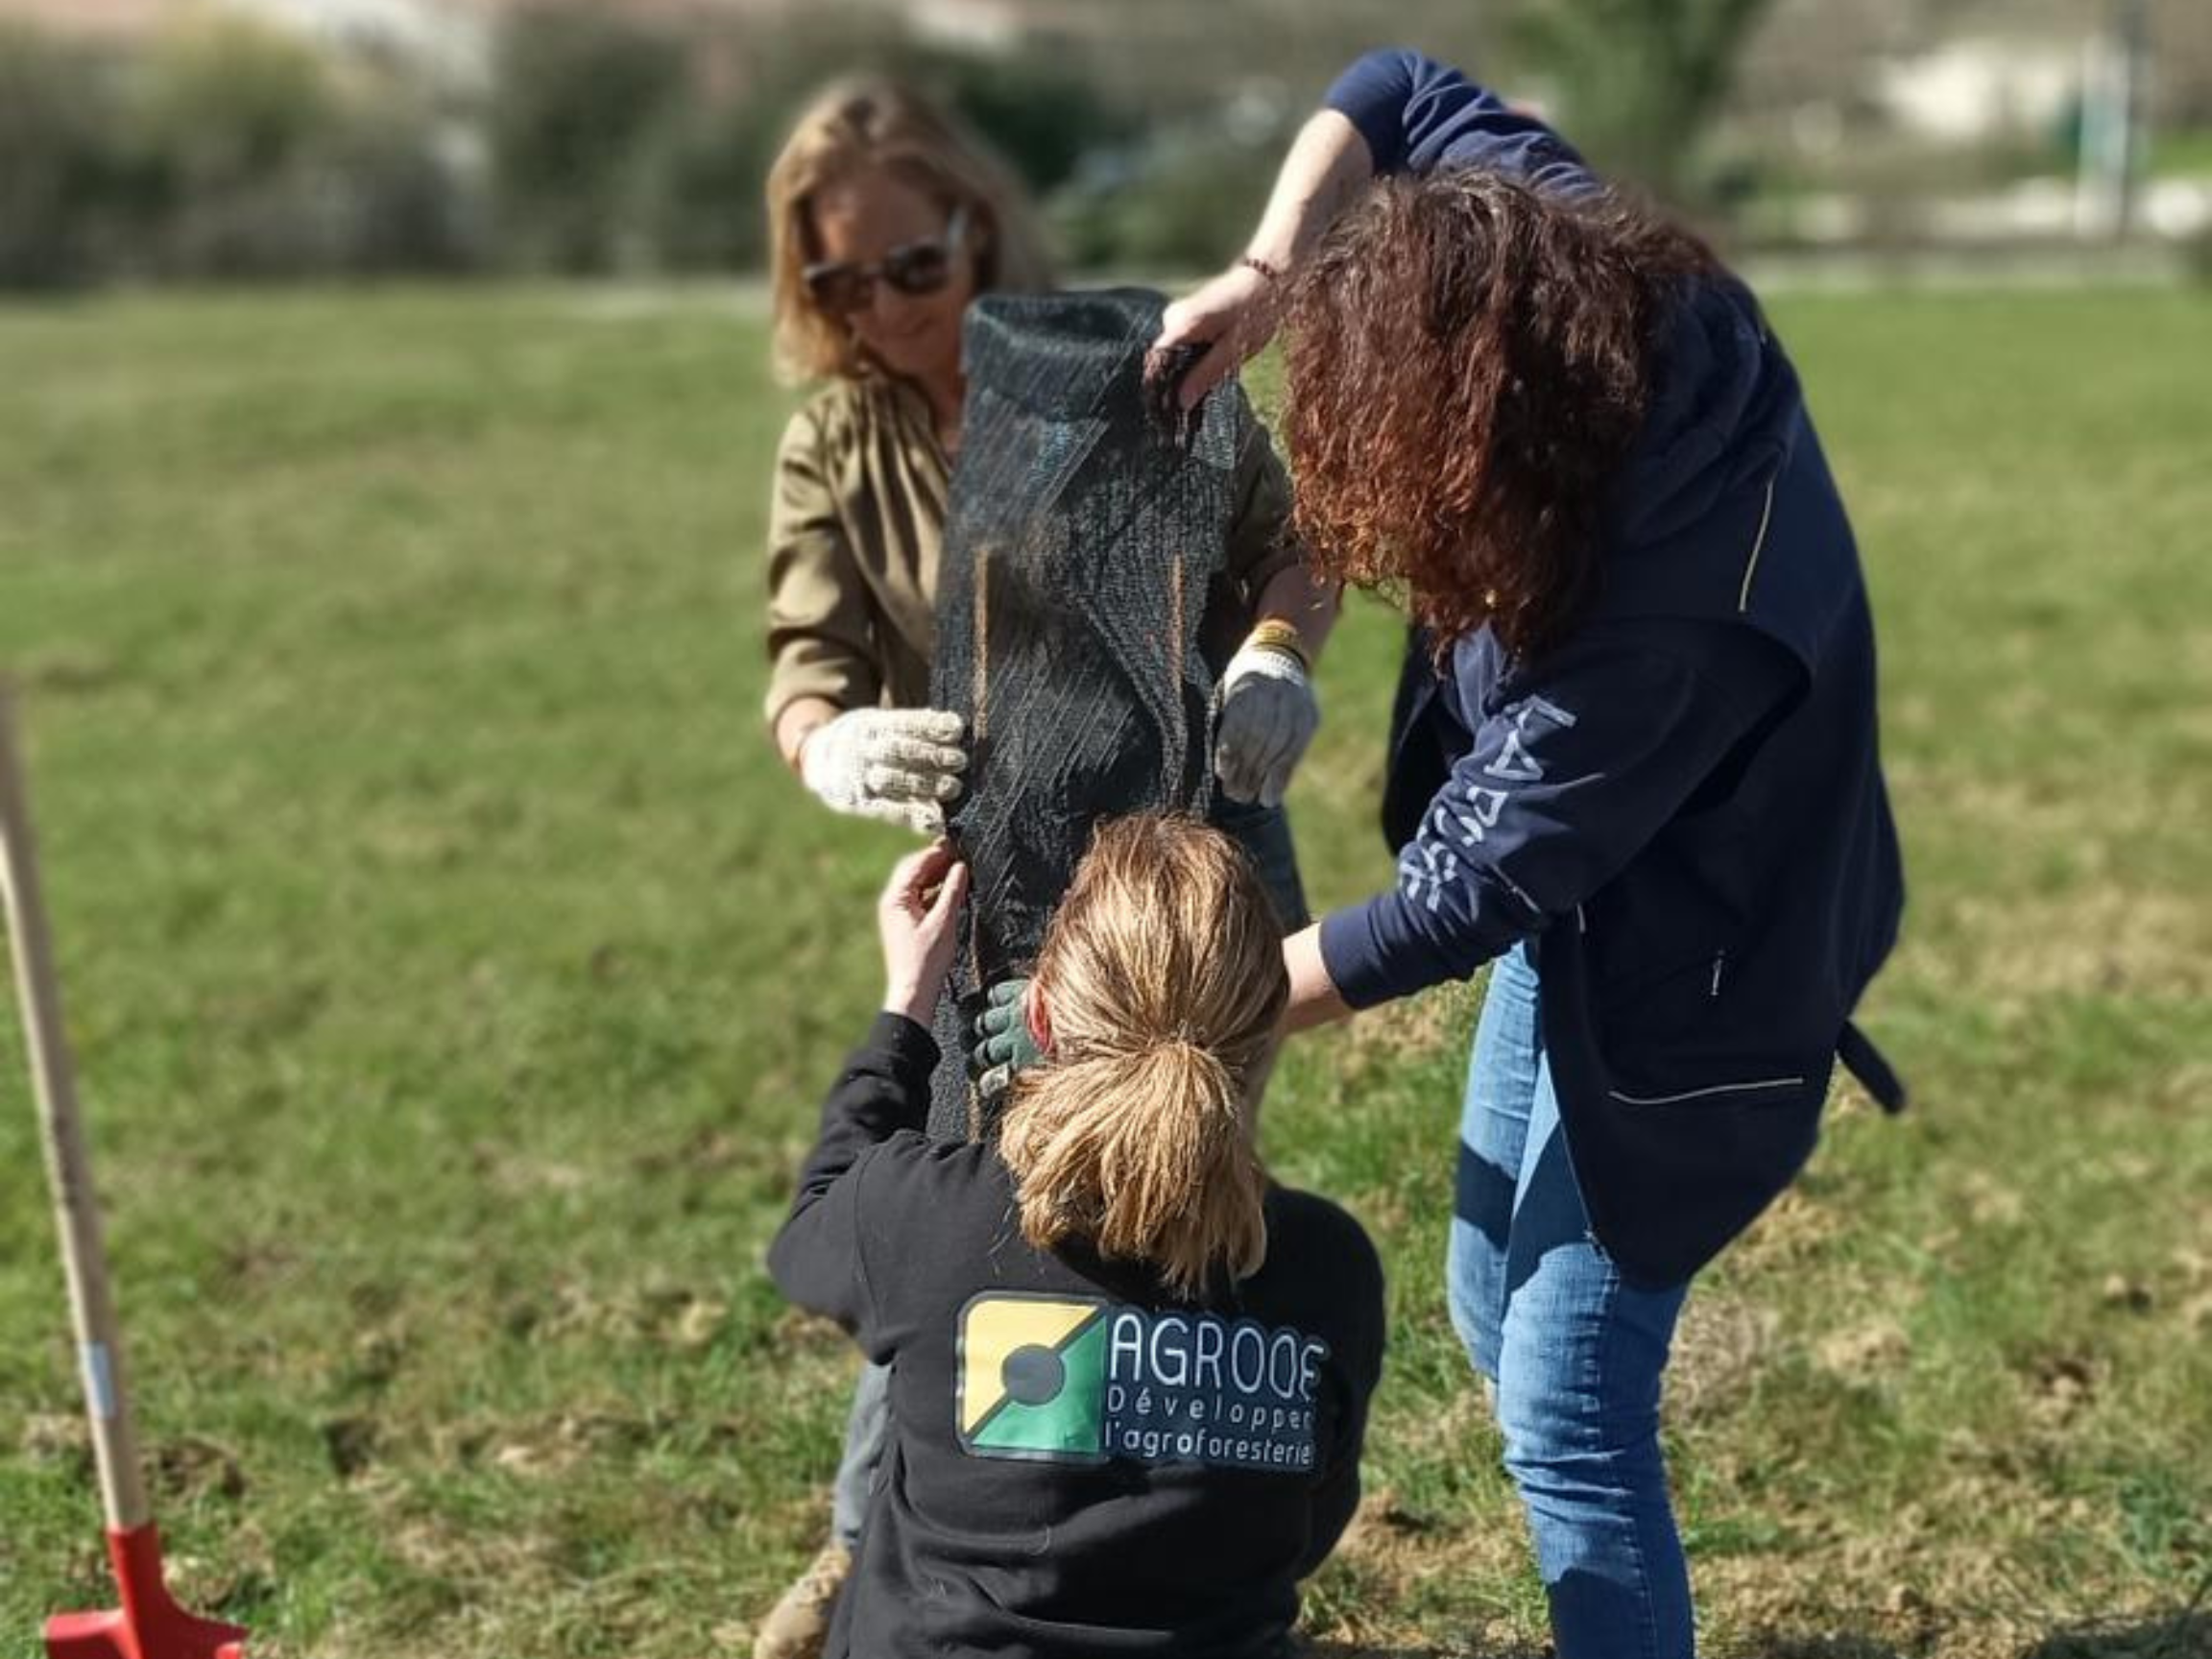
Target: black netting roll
<point x="1082" y="537"/>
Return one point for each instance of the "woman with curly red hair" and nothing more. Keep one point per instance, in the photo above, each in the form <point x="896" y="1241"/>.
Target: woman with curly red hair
<point x="1634" y="766"/>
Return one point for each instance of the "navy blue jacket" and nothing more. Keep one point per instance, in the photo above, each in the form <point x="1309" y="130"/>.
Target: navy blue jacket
<point x="1681" y="805"/>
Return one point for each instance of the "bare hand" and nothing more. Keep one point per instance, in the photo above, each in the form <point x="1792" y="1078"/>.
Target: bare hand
<point x="917" y="918"/>
<point x="1234" y="313"/>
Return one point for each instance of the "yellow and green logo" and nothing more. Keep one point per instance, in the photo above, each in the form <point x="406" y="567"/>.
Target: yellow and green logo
<point x="1033" y="1378"/>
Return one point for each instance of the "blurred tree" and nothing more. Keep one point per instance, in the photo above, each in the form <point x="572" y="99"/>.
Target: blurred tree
<point x="750" y="75"/>
<point x="1172" y="61"/>
<point x="59" y="164"/>
<point x="583" y="98"/>
<point x="247" y="152"/>
<point x="222" y="149"/>
<point x="410" y="205"/>
<point x="1042" y="117"/>
<point x="1184" y="208"/>
<point x="1639" y="81"/>
<point x="227" y="102"/>
<point x="226" y="119"/>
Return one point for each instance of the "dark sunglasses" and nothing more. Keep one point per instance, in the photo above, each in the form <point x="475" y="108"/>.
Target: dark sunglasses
<point x="841" y="288"/>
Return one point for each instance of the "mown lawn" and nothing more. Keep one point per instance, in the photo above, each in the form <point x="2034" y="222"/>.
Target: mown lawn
<point x="452" y="973"/>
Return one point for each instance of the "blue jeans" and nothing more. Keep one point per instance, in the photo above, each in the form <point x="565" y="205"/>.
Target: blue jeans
<point x="1575" y="1353"/>
<point x="867" y="1425"/>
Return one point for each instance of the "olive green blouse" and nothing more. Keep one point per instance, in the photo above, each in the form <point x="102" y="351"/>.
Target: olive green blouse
<point x="853" y="537"/>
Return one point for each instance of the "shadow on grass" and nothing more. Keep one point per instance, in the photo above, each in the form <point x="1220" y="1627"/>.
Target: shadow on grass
<point x="2184" y="1635"/>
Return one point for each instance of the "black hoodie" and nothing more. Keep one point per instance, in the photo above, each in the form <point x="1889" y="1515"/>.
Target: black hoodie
<point x="1079" y="1462"/>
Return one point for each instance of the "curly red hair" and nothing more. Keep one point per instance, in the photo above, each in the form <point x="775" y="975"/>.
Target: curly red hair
<point x="1469" y="363"/>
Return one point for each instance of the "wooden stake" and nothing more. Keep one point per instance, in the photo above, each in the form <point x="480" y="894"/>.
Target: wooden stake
<point x="68" y="1165"/>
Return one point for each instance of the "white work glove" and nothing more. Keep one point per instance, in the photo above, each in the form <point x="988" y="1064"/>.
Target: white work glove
<point x="1268" y="716"/>
<point x="897" y="764"/>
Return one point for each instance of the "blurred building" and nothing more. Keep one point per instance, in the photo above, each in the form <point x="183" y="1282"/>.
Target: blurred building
<point x="1974" y="91"/>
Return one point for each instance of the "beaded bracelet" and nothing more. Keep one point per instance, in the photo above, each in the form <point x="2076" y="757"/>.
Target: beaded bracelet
<point x="1253" y="262"/>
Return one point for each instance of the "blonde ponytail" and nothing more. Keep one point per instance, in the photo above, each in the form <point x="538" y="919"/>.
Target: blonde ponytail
<point x="1162" y="973"/>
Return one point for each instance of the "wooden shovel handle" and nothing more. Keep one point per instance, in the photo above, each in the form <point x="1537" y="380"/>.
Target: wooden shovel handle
<point x="68" y="1165"/>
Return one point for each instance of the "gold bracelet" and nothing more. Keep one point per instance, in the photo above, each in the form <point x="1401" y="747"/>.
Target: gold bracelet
<point x="1275" y="634"/>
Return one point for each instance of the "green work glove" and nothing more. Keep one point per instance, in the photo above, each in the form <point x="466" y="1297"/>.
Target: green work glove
<point x="1003" y="1041"/>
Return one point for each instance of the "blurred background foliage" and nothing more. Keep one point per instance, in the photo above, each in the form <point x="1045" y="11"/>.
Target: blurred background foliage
<point x="216" y="139"/>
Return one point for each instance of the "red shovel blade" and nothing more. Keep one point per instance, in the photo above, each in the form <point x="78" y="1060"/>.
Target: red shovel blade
<point x="149" y="1624"/>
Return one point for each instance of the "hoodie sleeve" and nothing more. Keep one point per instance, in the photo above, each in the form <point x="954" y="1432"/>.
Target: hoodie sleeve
<point x="820" y="1259"/>
<point x="1561" y="787"/>
<point x="1417" y="115"/>
<point x="1336" y="1497"/>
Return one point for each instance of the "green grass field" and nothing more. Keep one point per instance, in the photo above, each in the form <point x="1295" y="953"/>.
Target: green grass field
<point x="453" y="972"/>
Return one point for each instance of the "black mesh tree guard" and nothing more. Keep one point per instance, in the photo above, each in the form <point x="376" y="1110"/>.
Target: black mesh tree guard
<point x="1083" y="536"/>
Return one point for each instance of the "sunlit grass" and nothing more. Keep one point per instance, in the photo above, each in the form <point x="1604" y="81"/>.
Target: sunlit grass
<point x="453" y="972"/>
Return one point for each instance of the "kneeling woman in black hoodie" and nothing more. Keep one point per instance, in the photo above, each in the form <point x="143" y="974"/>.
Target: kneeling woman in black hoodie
<point x="1130" y="1373"/>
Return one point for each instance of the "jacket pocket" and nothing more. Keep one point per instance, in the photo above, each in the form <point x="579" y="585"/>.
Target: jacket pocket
<point x="1682" y="972"/>
<point x="1750" y="1091"/>
<point x="1675" y="1008"/>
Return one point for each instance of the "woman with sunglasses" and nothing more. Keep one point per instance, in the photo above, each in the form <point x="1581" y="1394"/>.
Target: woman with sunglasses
<point x="885" y="218"/>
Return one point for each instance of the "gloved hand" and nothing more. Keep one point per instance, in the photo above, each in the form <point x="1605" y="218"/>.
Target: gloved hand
<point x="897" y="764"/>
<point x="1004" y="1043"/>
<point x="1269" y="715"/>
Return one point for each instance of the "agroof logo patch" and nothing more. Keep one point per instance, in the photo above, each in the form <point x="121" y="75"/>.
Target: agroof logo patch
<point x="1033" y="1378"/>
<point x="1075" y="1379"/>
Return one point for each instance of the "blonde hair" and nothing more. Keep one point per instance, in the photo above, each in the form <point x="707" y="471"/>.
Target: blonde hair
<point x="850" y="127"/>
<point x="1162" y="977"/>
